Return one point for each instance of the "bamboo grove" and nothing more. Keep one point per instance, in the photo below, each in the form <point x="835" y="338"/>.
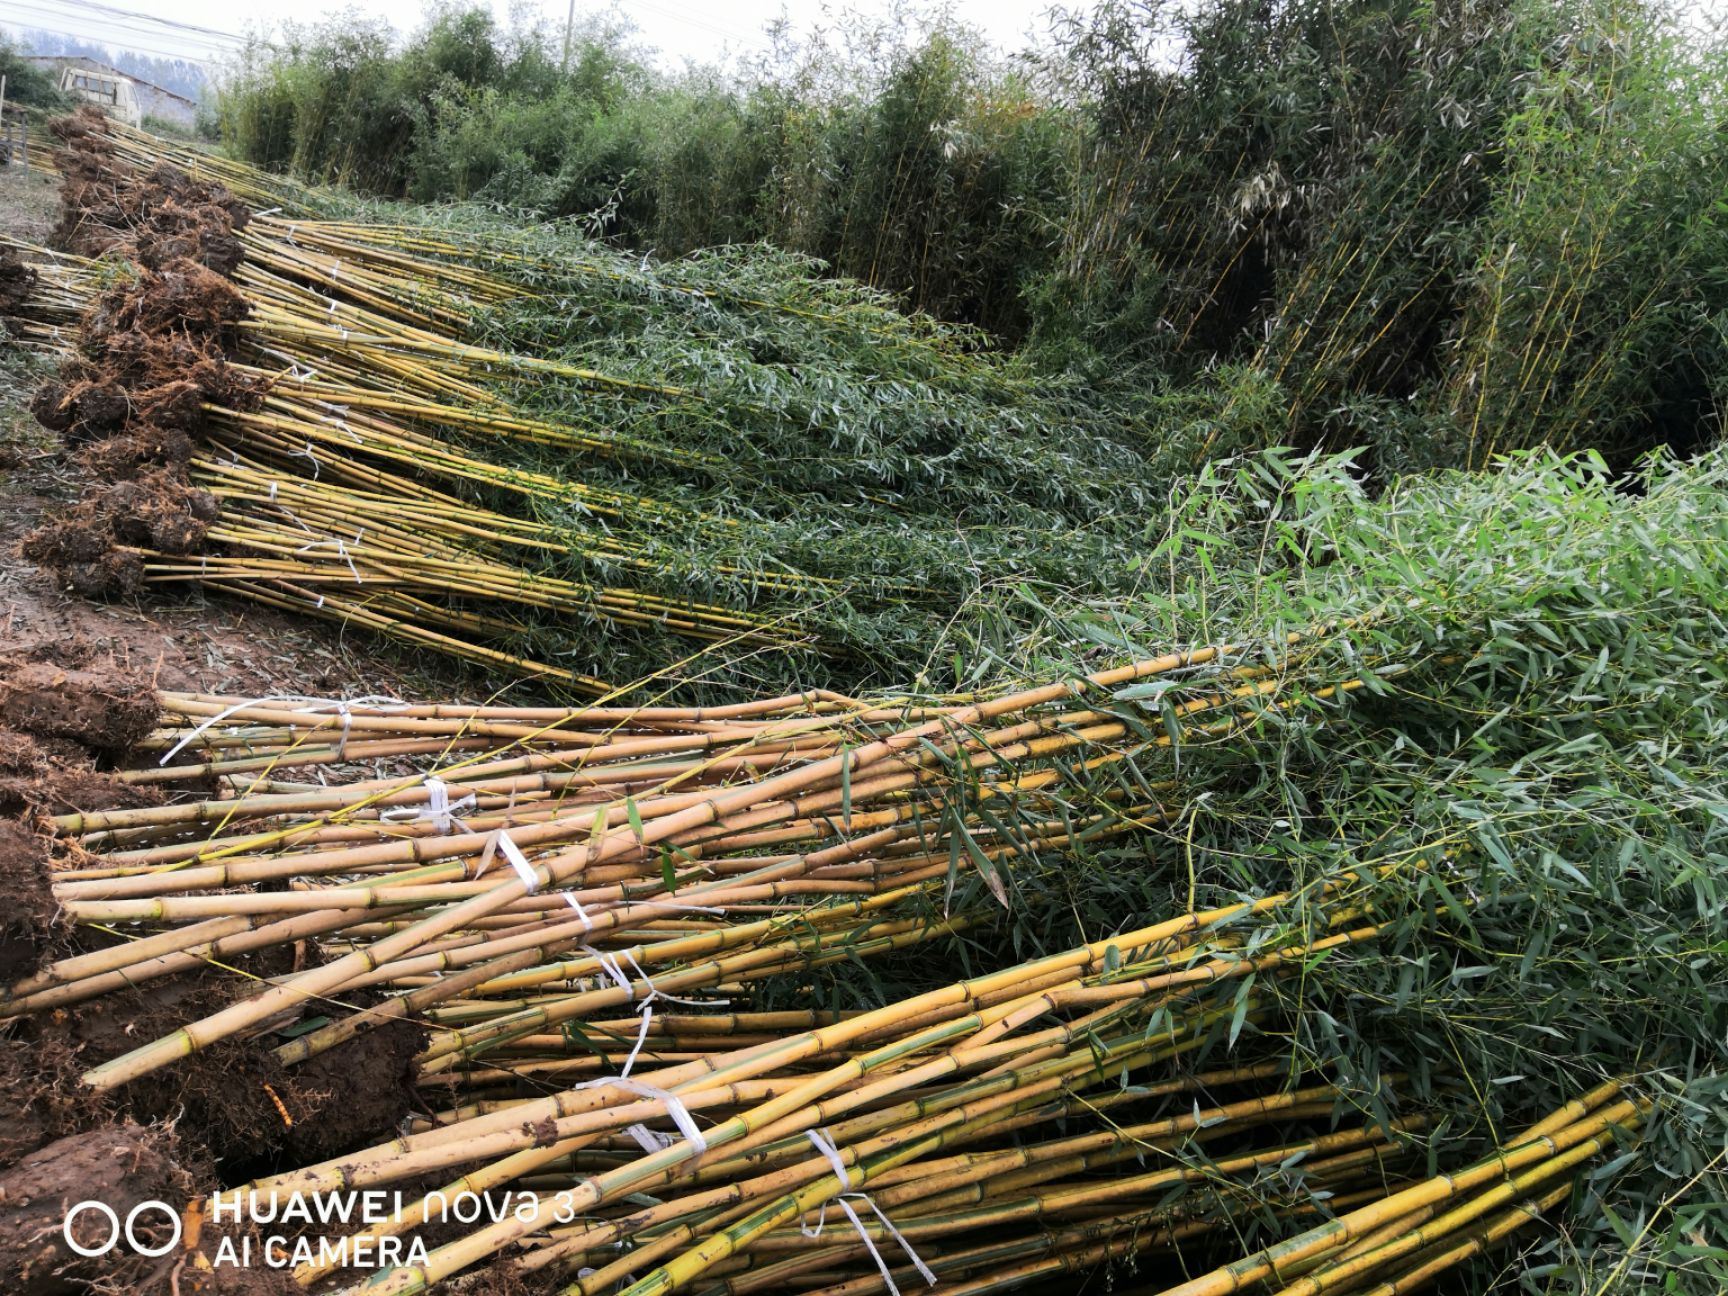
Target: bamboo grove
<point x="1439" y="231"/>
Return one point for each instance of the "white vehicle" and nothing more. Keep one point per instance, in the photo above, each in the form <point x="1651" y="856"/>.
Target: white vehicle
<point x="113" y="94"/>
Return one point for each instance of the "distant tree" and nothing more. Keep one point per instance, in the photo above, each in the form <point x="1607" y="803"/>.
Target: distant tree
<point x="25" y="82"/>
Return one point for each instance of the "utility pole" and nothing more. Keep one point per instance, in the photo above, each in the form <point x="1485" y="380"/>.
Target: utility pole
<point x="569" y="27"/>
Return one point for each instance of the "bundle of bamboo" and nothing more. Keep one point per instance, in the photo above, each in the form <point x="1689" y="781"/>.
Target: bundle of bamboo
<point x="786" y="479"/>
<point x="622" y="1025"/>
<point x="612" y="813"/>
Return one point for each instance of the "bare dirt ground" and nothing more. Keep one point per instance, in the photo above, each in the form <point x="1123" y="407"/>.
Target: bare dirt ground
<point x="180" y="640"/>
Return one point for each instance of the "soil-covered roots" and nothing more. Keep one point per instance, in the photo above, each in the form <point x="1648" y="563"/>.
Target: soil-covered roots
<point x="17" y="282"/>
<point x="122" y="1166"/>
<point x="153" y="354"/>
<point x="155" y="216"/>
<point x="30" y="917"/>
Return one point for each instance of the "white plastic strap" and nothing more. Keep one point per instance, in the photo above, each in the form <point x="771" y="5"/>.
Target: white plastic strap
<point x="841" y="1170"/>
<point x="656" y="993"/>
<point x="650" y="1140"/>
<point x="647" y="1011"/>
<point x="212" y="722"/>
<point x="581" y="913"/>
<point x="341" y="548"/>
<point x="609" y="966"/>
<point x="438" y="803"/>
<point x="439" y="808"/>
<point x="869" y="1244"/>
<point x="500" y="841"/>
<point x="918" y="1264"/>
<point x="844" y="1173"/>
<point x="307" y="704"/>
<point x="675" y="1108"/>
<point x="815" y="1231"/>
<point x="612" y="968"/>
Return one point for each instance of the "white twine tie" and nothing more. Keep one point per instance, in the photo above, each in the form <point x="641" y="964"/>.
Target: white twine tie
<point x="439" y="808"/>
<point x="500" y="842"/>
<point x="307" y="705"/>
<point x="341" y="551"/>
<point x="843" y="1172"/>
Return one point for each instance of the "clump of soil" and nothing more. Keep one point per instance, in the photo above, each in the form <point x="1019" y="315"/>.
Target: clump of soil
<point x="154" y="357"/>
<point x="344" y="1116"/>
<point x="84" y="409"/>
<point x="108" y="710"/>
<point x="55" y="724"/>
<point x="30" y="923"/>
<point x="48" y="777"/>
<point x="17" y="282"/>
<point x="247" y="1109"/>
<point x="42" y="1097"/>
<point x="121" y="1166"/>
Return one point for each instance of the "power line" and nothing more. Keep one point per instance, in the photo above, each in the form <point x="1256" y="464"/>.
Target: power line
<point x="108" y="33"/>
<point x="217" y="44"/>
<point x="55" y="25"/>
<point x="97" y="38"/>
<point x="111" y="18"/>
<point x="164" y="22"/>
<point x="38" y="17"/>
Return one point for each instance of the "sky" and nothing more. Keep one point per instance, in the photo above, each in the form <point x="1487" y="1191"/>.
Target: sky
<point x="683" y="30"/>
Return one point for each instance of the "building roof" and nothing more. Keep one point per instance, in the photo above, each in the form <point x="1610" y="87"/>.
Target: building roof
<point x="91" y="65"/>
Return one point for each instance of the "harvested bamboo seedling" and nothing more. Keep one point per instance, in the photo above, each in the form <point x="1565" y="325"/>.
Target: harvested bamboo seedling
<point x="386" y="452"/>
